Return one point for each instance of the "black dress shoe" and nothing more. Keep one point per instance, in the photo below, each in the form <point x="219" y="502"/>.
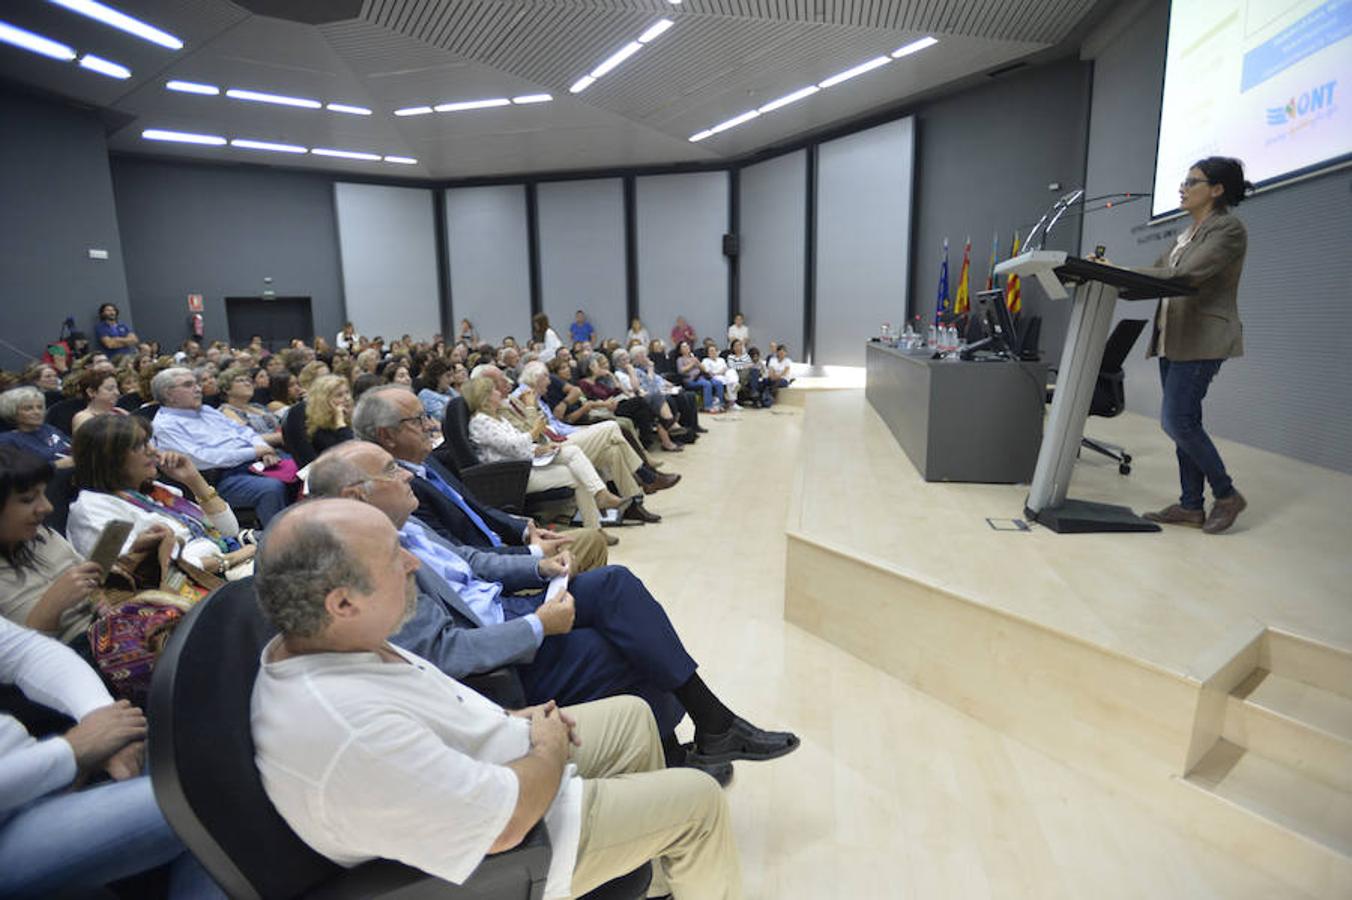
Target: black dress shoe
<point x="637" y="513"/>
<point x="720" y="772"/>
<point x="742" y="741"/>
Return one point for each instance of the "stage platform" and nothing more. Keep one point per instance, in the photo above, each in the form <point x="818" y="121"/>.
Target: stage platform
<point x="1209" y="677"/>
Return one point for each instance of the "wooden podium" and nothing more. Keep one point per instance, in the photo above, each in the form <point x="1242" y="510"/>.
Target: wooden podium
<point x="1100" y="286"/>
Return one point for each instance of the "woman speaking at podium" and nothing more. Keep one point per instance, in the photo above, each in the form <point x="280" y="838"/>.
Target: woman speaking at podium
<point x="1193" y="335"/>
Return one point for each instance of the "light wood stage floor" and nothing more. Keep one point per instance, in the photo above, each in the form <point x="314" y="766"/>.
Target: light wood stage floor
<point x="923" y="787"/>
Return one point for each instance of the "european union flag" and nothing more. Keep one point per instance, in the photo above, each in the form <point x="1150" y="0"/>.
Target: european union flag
<point x="941" y="301"/>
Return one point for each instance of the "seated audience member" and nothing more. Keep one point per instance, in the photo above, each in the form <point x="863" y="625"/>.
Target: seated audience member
<point x="45" y="378"/>
<point x="328" y="412"/>
<point x="115" y="468"/>
<point x="548" y="337"/>
<point x="693" y="378"/>
<point x="636" y="333"/>
<point x="467" y="333"/>
<point x="309" y="372"/>
<point x="780" y="369"/>
<point x="682" y="331"/>
<point x="363" y="383"/>
<point x="211" y="388"/>
<point x="738" y="331"/>
<point x="211" y="441"/>
<point x="581" y="330"/>
<point x="748" y="374"/>
<point x="284" y="390"/>
<point x="436" y="390"/>
<point x="394" y="419"/>
<point x="240" y="407"/>
<point x="129" y="389"/>
<point x="631" y="384"/>
<point x="716" y="369"/>
<point x="600" y="384"/>
<point x="99" y="389"/>
<point x="496" y="439"/>
<point x="509" y="361"/>
<point x="449" y="777"/>
<point x="611" y="635"/>
<point x="682" y="402"/>
<point x="398" y="372"/>
<point x="262" y="387"/>
<point x="347" y="338"/>
<point x="24" y="410"/>
<point x="58" y="838"/>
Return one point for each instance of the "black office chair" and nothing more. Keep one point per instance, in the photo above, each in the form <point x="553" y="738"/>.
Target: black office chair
<point x="147" y="411"/>
<point x="62" y="413"/>
<point x="61" y="493"/>
<point x="500" y="484"/>
<point x="1110" y="397"/>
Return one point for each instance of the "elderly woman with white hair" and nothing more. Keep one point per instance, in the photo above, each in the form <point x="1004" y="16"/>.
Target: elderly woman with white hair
<point x="24" y="410"/>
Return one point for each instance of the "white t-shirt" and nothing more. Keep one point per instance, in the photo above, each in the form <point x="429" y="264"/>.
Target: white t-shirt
<point x="738" y="333"/>
<point x="780" y="368"/>
<point x="366" y="759"/>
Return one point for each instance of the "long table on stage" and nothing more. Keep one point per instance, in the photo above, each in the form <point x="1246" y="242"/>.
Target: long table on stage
<point x="978" y="421"/>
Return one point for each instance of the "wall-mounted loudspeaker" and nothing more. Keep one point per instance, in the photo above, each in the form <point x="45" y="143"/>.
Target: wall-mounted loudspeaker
<point x="730" y="244"/>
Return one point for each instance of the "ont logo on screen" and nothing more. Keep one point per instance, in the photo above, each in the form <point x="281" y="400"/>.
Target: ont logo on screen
<point x="1312" y="101"/>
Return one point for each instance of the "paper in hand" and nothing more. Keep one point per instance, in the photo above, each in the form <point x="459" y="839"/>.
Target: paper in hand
<point x="557" y="585"/>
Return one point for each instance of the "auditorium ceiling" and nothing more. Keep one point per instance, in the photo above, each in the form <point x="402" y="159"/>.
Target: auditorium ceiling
<point x="490" y="64"/>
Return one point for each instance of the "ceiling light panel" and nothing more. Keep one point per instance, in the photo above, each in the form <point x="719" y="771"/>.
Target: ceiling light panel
<point x="183" y="137"/>
<point x="462" y="105"/>
<point x="212" y="140"/>
<point x="649" y="35"/>
<point x="193" y="87"/>
<point x="36" y="43"/>
<point x="121" y="21"/>
<point x="278" y="99"/>
<point x="914" y="47"/>
<point x="267" y="145"/>
<point x="104" y="67"/>
<point x="532" y="98"/>
<point x="855" y="72"/>
<point x="345" y="108"/>
<point x="346" y="154"/>
<point x="414" y="111"/>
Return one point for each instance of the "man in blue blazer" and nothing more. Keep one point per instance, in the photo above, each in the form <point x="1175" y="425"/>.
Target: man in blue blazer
<point x="604" y="635"/>
<point x="392" y="417"/>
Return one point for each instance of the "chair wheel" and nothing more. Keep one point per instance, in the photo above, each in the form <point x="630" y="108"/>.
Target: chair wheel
<point x="1124" y="468"/>
<point x="1126" y="459"/>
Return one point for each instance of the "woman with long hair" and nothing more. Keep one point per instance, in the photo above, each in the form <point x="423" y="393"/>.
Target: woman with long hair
<point x="328" y="412"/>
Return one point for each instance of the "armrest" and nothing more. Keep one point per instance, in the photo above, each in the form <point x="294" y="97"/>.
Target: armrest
<point x="499" y="484"/>
<point x="501" y="685"/>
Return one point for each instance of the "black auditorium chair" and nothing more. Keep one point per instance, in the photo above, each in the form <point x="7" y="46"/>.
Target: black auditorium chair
<point x="62" y="413"/>
<point x="1110" y="397"/>
<point x="147" y="411"/>
<point x="204" y="777"/>
<point x="499" y="484"/>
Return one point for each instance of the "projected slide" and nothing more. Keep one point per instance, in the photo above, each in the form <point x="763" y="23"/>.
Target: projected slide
<point x="1264" y="80"/>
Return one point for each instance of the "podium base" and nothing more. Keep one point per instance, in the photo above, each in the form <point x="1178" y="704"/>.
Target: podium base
<point x="1085" y="517"/>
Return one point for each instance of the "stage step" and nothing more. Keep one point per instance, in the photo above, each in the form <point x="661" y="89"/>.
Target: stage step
<point x="1293" y="723"/>
<point x="1303" y="806"/>
<point x="1311" y="662"/>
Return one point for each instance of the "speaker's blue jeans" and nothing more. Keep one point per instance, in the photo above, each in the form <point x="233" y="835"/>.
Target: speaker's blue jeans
<point x="1185" y="385"/>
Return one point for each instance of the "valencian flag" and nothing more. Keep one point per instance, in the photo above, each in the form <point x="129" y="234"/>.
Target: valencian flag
<point x="962" y="300"/>
<point x="1013" y="293"/>
<point x="995" y="253"/>
<point x="941" y="301"/>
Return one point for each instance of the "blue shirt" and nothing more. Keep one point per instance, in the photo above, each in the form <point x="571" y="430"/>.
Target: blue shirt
<point x="48" y="442"/>
<point x="434" y="404"/>
<point x="112" y="329"/>
<point x="207" y="437"/>
<point x="484" y="598"/>
<point x="581" y="332"/>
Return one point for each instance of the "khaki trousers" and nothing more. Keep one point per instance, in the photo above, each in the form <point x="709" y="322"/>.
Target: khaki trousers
<point x="634" y="810"/>
<point x="572" y="469"/>
<point x="588" y="549"/>
<point x="606" y="447"/>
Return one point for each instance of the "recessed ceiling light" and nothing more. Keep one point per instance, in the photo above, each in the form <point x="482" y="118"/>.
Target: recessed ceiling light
<point x="121" y="21"/>
<point x="914" y="46"/>
<point x="857" y="70"/>
<point x="260" y="97"/>
<point x="182" y="137"/>
<point x="700" y="135"/>
<point x="414" y="111"/>
<point x="266" y="145"/>
<point x="461" y="105"/>
<point x="533" y="98"/>
<point x="192" y="87"/>
<point x="790" y="98"/>
<point x="616" y="58"/>
<point x="581" y="84"/>
<point x="402" y="160"/>
<point x="735" y="121"/>
<point x="652" y="33"/>
<point x="35" y="42"/>
<point x="344" y="108"/>
<point x="346" y="154"/>
<point x="104" y="66"/>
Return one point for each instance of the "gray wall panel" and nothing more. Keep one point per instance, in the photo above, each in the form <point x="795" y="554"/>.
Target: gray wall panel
<point x="489" y="258"/>
<point x="863" y="238"/>
<point x="56" y="202"/>
<point x="773" y="201"/>
<point x="681" y="267"/>
<point x="387" y="241"/>
<point x="1288" y="392"/>
<point x="582" y="253"/>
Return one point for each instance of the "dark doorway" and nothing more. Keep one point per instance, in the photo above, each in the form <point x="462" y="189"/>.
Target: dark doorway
<point x="277" y="319"/>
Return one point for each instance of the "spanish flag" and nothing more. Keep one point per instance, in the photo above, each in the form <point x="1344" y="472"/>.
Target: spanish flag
<point x="1013" y="294"/>
<point x="962" y="300"/>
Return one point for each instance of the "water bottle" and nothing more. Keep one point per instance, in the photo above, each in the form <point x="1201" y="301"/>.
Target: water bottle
<point x="932" y="337"/>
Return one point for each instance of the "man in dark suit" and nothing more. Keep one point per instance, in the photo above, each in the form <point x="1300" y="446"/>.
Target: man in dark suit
<point x="603" y="635"/>
<point x="392" y="418"/>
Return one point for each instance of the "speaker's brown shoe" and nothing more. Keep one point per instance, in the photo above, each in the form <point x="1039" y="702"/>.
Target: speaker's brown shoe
<point x="1177" y="515"/>
<point x="1224" y="512"/>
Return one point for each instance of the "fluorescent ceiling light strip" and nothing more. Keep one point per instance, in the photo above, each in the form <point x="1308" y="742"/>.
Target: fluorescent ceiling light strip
<point x="914" y="47"/>
<point x="344" y="108"/>
<point x="735" y="121"/>
<point x="267" y="145"/>
<point x="414" y="111"/>
<point x="655" y="31"/>
<point x="345" y="154"/>
<point x="533" y="98"/>
<point x="857" y="70"/>
<point x="260" y="97"/>
<point x="121" y="21"/>
<point x="461" y="105"/>
<point x="402" y="160"/>
<point x="616" y="58"/>
<point x="27" y="40"/>
<point x="700" y="135"/>
<point x="790" y="98"/>
<point x="104" y="66"/>
<point x="192" y="87"/>
<point x="582" y="84"/>
<point x="182" y="137"/>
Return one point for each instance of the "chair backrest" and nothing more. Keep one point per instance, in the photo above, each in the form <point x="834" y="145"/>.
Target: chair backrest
<point x="61" y="493"/>
<point x="294" y="436"/>
<point x="147" y="411"/>
<point x="1119" y="344"/>
<point x="61" y="414"/>
<point x="455" y="430"/>
<point x="202" y="752"/>
<point x="1028" y="334"/>
<point x="1110" y="397"/>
